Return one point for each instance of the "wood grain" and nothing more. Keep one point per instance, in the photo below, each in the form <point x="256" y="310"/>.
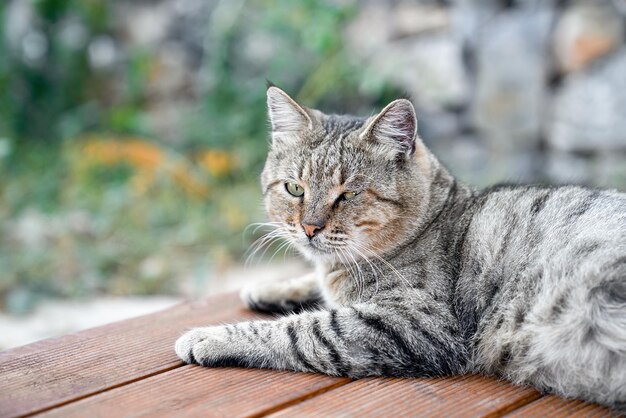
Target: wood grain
<point x="194" y="391"/>
<point x="457" y="396"/>
<point x="56" y="371"/>
<point x="553" y="406"/>
<point x="129" y="368"/>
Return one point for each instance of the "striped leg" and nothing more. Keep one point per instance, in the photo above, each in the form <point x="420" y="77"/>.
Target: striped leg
<point x="357" y="341"/>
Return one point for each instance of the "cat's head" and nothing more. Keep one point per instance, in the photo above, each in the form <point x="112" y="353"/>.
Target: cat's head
<point x="343" y="187"/>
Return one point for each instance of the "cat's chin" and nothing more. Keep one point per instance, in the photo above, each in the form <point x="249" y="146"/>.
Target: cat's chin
<point x="317" y="253"/>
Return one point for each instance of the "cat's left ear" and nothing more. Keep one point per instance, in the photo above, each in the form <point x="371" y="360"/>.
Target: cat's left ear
<point x="394" y="130"/>
<point x="286" y="116"/>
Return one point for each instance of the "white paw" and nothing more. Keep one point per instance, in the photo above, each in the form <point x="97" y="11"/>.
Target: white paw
<point x="202" y="345"/>
<point x="258" y="294"/>
<point x="247" y="295"/>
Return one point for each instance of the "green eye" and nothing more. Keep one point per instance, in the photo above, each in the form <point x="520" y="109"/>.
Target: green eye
<point x="349" y="195"/>
<point x="294" y="189"/>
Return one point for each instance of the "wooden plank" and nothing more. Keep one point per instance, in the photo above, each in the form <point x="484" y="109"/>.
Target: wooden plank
<point x="194" y="391"/>
<point x="57" y="371"/>
<point x="130" y="368"/>
<point x="553" y="406"/>
<point x="457" y="396"/>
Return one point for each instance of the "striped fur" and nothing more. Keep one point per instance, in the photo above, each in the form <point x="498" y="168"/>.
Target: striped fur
<point x="420" y="275"/>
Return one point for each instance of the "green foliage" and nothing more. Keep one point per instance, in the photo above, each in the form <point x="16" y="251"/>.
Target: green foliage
<point x="74" y="223"/>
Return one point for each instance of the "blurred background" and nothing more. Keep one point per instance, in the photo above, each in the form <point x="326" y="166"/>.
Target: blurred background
<point x="132" y="133"/>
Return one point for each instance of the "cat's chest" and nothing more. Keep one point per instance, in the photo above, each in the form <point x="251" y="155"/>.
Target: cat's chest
<point x="337" y="289"/>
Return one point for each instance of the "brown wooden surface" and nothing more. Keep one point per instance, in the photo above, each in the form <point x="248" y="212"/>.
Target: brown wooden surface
<point x="469" y="395"/>
<point x="553" y="406"/>
<point x="129" y="369"/>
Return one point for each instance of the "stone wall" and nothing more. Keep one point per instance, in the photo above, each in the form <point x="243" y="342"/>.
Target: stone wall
<point x="508" y="90"/>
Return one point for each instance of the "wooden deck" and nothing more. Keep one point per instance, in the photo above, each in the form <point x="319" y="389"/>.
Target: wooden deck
<point x="129" y="368"/>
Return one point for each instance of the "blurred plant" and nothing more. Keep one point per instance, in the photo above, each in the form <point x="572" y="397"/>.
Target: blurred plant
<point x="49" y="88"/>
<point x="146" y="161"/>
<point x="93" y="198"/>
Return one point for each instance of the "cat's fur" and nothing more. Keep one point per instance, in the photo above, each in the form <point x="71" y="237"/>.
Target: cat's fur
<point x="420" y="275"/>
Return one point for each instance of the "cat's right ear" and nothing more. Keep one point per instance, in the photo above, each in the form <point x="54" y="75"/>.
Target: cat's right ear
<point x="286" y="116"/>
<point x="394" y="129"/>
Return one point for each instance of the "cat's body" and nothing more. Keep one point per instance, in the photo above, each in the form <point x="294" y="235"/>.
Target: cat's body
<point x="419" y="275"/>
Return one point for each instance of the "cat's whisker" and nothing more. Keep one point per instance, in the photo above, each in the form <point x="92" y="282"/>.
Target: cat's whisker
<point x="374" y="269"/>
<point x="264" y="242"/>
<point x="389" y="265"/>
<point x="259" y="225"/>
<point x="360" y="278"/>
<point x="268" y="242"/>
<point x="261" y="241"/>
<point x="354" y="271"/>
<point x="290" y="250"/>
<point x="283" y="245"/>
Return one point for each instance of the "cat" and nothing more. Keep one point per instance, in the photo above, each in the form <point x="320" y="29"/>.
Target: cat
<point x="418" y="274"/>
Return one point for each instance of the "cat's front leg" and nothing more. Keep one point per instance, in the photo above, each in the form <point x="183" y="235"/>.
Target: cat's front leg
<point x="358" y="341"/>
<point x="293" y="295"/>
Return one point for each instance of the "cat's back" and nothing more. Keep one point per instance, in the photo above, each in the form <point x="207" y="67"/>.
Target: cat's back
<point x="548" y="220"/>
<point x="543" y="284"/>
<point x="542" y="239"/>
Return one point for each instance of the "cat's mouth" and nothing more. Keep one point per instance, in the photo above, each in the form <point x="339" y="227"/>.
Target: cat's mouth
<point x="318" y="247"/>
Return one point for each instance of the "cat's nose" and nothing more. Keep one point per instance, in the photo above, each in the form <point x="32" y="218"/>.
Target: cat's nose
<point x="311" y="229"/>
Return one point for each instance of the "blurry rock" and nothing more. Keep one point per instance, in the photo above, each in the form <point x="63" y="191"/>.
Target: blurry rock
<point x="411" y="18"/>
<point x="73" y="33"/>
<point x="429" y="68"/>
<point x="370" y="29"/>
<point x="589" y="110"/>
<point x="421" y="56"/>
<point x="379" y="22"/>
<point x="471" y="160"/>
<point x="611" y="170"/>
<point x="603" y="169"/>
<point x="79" y="222"/>
<point x="470" y="16"/>
<point x="145" y="23"/>
<point x="153" y="268"/>
<point x="18" y="21"/>
<point x="586" y="31"/>
<point x="34" y="48"/>
<point x="511" y="75"/>
<point x="171" y="74"/>
<point x="33" y="229"/>
<point x="261" y="47"/>
<point x="566" y="168"/>
<point x="102" y="52"/>
<point x="170" y="117"/>
<point x="437" y="125"/>
<point x="465" y="156"/>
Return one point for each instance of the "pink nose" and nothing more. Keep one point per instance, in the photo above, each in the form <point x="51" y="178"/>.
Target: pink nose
<point x="311" y="230"/>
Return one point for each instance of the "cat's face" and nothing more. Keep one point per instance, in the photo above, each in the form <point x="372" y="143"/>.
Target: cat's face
<point x="340" y="188"/>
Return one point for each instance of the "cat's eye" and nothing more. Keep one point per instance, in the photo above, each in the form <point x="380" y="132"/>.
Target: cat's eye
<point x="349" y="195"/>
<point x="294" y="189"/>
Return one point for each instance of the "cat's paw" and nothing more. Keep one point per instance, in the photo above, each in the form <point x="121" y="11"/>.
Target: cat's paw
<point x="260" y="297"/>
<point x="279" y="297"/>
<point x="203" y="346"/>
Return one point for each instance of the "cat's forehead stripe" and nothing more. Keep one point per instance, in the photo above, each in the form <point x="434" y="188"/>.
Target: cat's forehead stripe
<point x="341" y="124"/>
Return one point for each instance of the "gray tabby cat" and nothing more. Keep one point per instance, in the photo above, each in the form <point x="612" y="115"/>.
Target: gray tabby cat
<point x="420" y="275"/>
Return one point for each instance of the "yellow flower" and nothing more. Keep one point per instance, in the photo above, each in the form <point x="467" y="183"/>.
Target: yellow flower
<point x="146" y="159"/>
<point x="218" y="163"/>
<point x="143" y="155"/>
